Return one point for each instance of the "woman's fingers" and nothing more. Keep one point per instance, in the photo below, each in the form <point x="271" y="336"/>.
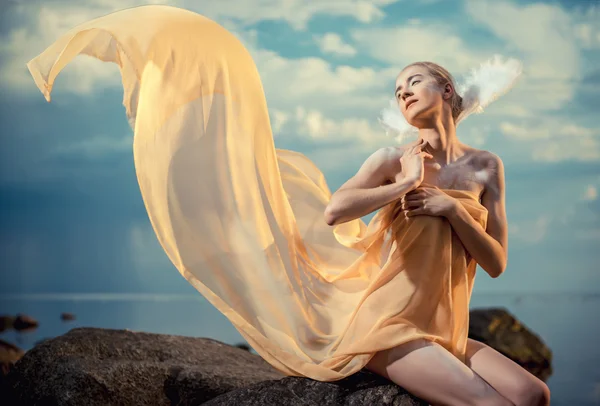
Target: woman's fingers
<point x="415" y="212"/>
<point x="411" y="198"/>
<point x="414" y="192"/>
<point x="411" y="204"/>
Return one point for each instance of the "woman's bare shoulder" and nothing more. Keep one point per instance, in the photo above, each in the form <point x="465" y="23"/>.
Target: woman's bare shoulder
<point x="484" y="158"/>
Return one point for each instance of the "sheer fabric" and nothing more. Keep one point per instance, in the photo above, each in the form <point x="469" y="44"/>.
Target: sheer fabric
<point x="243" y="221"/>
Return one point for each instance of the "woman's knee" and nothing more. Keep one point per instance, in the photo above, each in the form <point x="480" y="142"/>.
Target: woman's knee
<point x="429" y="371"/>
<point x="531" y="393"/>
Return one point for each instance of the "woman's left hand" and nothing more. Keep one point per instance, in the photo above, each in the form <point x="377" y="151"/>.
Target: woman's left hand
<point x="429" y="201"/>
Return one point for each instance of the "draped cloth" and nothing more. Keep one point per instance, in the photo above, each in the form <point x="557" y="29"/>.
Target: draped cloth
<point x="243" y="221"/>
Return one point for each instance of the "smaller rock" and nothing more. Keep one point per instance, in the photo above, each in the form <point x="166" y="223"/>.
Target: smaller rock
<point x="6" y="322"/>
<point x="25" y="323"/>
<point x="243" y="346"/>
<point x="9" y="354"/>
<point x="67" y="316"/>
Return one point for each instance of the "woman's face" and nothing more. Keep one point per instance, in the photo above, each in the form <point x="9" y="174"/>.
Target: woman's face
<point x="418" y="94"/>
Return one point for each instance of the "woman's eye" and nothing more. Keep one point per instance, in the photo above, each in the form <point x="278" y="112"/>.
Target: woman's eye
<point x="415" y="82"/>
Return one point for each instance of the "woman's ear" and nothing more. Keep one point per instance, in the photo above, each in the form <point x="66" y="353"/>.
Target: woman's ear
<point x="448" y="91"/>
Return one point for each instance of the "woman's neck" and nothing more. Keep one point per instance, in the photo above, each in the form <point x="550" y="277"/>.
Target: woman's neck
<point x="442" y="141"/>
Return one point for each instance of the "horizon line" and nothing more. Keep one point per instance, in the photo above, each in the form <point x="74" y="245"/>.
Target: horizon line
<point x="116" y="296"/>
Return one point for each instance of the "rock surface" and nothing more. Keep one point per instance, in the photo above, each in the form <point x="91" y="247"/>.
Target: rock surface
<point x="362" y="388"/>
<point x="90" y="366"/>
<point x="104" y="367"/>
<point x="502" y="331"/>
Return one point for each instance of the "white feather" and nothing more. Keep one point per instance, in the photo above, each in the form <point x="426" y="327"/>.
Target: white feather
<point x="485" y="84"/>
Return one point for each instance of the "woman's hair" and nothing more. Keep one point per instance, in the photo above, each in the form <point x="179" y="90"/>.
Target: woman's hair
<point x="442" y="76"/>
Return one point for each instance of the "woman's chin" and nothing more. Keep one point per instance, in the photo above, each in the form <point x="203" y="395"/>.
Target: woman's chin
<point x="417" y="119"/>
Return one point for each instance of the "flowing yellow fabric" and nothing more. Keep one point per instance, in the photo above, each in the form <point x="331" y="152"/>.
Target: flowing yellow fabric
<point x="243" y="221"/>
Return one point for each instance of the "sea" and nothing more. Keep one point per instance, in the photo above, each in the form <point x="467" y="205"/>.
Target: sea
<point x="568" y="323"/>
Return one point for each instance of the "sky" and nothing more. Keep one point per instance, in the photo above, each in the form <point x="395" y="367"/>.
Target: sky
<point x="71" y="214"/>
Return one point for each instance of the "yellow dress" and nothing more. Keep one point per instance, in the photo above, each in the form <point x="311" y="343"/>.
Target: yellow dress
<point x="243" y="221"/>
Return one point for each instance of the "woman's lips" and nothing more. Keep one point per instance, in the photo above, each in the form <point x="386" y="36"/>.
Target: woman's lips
<point x="410" y="103"/>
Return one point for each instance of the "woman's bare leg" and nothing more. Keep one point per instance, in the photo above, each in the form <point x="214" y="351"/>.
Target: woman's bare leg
<point x="506" y="376"/>
<point x="432" y="373"/>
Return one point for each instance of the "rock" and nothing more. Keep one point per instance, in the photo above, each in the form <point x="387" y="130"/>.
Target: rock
<point x="98" y="367"/>
<point x="6" y="322"/>
<point x="25" y="323"/>
<point x="9" y="354"/>
<point x="67" y="316"/>
<point x="243" y="346"/>
<point x="20" y="323"/>
<point x="362" y="388"/>
<point x="500" y="330"/>
<point x="91" y="366"/>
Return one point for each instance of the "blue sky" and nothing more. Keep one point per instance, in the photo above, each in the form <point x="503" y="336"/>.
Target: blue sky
<point x="72" y="218"/>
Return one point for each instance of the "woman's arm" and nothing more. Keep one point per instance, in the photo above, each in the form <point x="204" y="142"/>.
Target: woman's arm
<point x="489" y="248"/>
<point x="366" y="191"/>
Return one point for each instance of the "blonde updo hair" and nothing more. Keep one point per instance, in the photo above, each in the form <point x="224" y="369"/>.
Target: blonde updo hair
<point x="442" y="77"/>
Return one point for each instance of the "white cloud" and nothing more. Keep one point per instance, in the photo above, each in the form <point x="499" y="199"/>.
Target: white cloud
<point x="332" y="43"/>
<point x="96" y="146"/>
<point x="476" y="136"/>
<point x="522" y="132"/>
<point x="547" y="38"/>
<point x="588" y="35"/>
<point x="417" y="41"/>
<point x="292" y="80"/>
<point x="555" y="139"/>
<point x="314" y="84"/>
<point x="531" y="231"/>
<point x="591" y="193"/>
<point x="296" y="12"/>
<point x="546" y="128"/>
<point x="586" y="149"/>
<point x="531" y="29"/>
<point x="278" y="120"/>
<point x="587" y="29"/>
<point x="311" y="123"/>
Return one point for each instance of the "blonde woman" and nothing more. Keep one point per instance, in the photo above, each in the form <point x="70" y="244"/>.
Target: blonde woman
<point x="413" y="178"/>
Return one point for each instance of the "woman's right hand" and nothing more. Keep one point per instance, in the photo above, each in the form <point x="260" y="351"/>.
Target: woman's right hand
<point x="412" y="161"/>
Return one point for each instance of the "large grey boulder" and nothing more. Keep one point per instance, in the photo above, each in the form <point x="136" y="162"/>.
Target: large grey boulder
<point x="502" y="331"/>
<point x="92" y="366"/>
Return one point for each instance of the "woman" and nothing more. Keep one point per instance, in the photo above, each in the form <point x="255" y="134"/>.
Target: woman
<point x="243" y="223"/>
<point x="427" y="99"/>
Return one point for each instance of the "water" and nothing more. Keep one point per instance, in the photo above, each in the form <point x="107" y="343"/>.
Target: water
<point x="568" y="324"/>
